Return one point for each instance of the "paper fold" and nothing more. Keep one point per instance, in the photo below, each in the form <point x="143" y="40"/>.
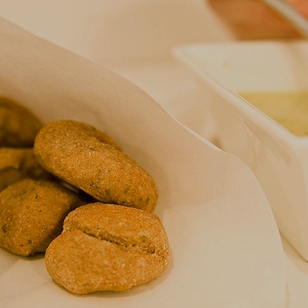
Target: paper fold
<point x="226" y="249"/>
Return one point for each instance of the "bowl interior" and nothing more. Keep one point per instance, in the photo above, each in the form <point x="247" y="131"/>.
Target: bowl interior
<point x="251" y="67"/>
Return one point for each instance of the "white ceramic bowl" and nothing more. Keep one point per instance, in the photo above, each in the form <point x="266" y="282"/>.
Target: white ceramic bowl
<point x="278" y="158"/>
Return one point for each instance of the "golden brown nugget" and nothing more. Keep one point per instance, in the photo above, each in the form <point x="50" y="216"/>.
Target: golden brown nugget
<point x="32" y="214"/>
<point x="17" y="164"/>
<point x="105" y="247"/>
<point x="72" y="151"/>
<point x="18" y="125"/>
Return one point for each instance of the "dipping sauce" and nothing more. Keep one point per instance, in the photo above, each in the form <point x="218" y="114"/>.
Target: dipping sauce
<point x="290" y="109"/>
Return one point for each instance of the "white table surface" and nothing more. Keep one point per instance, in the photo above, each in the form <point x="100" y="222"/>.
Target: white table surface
<point x="89" y="29"/>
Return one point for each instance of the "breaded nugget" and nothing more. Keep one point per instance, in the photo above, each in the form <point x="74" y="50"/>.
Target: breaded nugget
<point x="73" y="151"/>
<point x="32" y="214"/>
<point x="18" y="125"/>
<point x="17" y="164"/>
<point x="106" y="247"/>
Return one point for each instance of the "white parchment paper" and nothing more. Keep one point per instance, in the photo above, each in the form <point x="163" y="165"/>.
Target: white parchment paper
<point x="226" y="249"/>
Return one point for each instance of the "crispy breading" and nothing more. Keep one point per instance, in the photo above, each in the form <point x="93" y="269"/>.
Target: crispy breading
<point x="106" y="247"/>
<point x="17" y="164"/>
<point x="18" y="125"/>
<point x="72" y="151"/>
<point x="32" y="214"/>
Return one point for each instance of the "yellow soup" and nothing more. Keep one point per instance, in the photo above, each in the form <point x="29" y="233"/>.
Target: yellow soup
<point x="290" y="109"/>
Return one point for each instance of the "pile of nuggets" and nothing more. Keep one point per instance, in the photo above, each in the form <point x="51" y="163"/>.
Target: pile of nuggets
<point x="69" y="192"/>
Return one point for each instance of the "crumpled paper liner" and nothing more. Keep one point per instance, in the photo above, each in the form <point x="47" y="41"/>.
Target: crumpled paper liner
<point x="226" y="249"/>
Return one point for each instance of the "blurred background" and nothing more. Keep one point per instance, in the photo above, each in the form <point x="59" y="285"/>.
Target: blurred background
<point x="112" y="30"/>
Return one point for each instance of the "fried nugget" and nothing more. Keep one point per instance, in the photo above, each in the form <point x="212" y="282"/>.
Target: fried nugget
<point x="19" y="163"/>
<point x="32" y="214"/>
<point x="18" y="125"/>
<point x="106" y="247"/>
<point x="72" y="151"/>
